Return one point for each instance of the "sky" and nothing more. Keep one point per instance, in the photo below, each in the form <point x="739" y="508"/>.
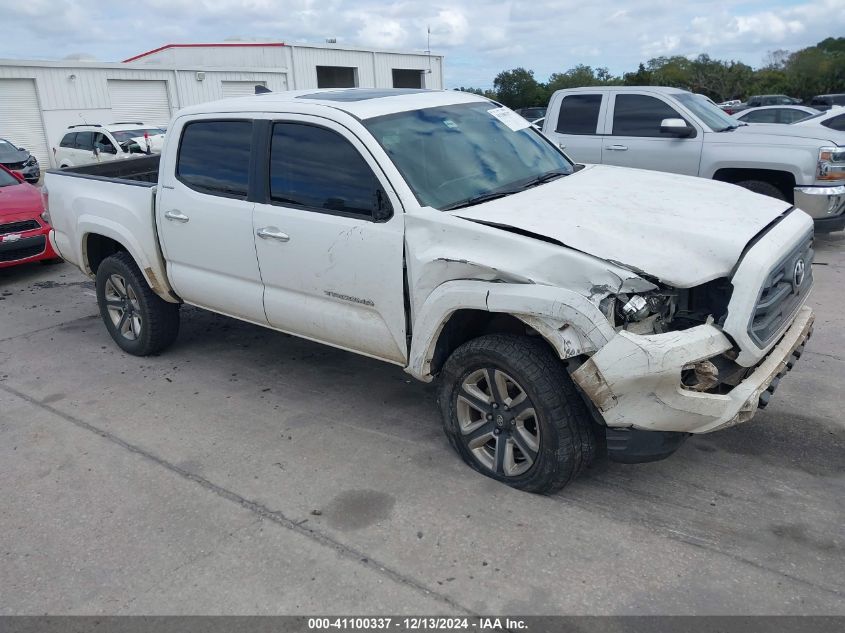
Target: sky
<point x="477" y="38"/>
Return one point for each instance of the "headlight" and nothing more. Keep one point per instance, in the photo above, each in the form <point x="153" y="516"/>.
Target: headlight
<point x="31" y="160"/>
<point x="831" y="165"/>
<point x="624" y="309"/>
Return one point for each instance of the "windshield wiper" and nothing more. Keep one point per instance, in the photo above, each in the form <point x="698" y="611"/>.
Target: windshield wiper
<point x="548" y="177"/>
<point x="482" y="197"/>
<point x="493" y="195"/>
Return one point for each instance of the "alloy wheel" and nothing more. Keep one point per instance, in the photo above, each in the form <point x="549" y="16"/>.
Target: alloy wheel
<point x="123" y="307"/>
<point x="498" y="422"/>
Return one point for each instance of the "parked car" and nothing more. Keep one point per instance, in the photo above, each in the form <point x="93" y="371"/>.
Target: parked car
<point x="18" y="160"/>
<point x="23" y="224"/>
<point x="531" y="114"/>
<point x="555" y="303"/>
<point x="826" y="102"/>
<point x="775" y="114"/>
<point x="771" y="100"/>
<point x="672" y="130"/>
<point x="833" y="119"/>
<point x="95" y="143"/>
<point x="729" y="104"/>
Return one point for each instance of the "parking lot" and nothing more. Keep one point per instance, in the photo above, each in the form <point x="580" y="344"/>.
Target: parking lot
<point x="245" y="471"/>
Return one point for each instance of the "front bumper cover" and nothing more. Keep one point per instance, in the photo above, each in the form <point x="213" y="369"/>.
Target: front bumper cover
<point x="826" y="205"/>
<point x="635" y="381"/>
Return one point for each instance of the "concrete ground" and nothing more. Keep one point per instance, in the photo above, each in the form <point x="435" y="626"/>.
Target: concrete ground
<point x="244" y="471"/>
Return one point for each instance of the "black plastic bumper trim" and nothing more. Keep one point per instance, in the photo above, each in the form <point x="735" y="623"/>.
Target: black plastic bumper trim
<point x="634" y="446"/>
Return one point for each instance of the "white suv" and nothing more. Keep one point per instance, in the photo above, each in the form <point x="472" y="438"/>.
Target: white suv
<point x="94" y="143"/>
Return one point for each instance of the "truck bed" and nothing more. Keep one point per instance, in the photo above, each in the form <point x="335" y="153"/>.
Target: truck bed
<point x="113" y="201"/>
<point x="142" y="171"/>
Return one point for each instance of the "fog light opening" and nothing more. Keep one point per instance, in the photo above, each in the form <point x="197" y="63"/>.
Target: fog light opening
<point x="700" y="376"/>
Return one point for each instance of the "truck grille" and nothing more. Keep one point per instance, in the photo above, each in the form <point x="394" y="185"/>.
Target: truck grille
<point x="18" y="227"/>
<point x="782" y="293"/>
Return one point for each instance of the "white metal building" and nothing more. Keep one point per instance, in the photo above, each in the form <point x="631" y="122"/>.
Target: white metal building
<point x="40" y="99"/>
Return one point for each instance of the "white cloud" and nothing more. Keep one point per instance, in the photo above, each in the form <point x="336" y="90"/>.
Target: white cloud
<point x="479" y="38"/>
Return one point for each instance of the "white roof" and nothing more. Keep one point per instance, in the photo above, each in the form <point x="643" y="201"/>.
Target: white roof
<point x="362" y="103"/>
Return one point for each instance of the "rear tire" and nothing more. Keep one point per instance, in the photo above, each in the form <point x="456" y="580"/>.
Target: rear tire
<point x="762" y="187"/>
<point x="512" y="413"/>
<point x="138" y="320"/>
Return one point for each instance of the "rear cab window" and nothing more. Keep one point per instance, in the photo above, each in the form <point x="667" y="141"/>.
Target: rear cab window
<point x="214" y="157"/>
<point x="579" y="114"/>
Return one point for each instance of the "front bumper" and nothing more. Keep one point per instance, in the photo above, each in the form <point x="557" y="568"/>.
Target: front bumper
<point x="28" y="247"/>
<point x="30" y="173"/>
<point x="826" y="205"/>
<point x="635" y="381"/>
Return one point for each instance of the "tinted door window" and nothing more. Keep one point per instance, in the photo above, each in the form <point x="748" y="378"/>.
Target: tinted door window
<point x="214" y="157"/>
<point x="761" y="116"/>
<point x="791" y="116"/>
<point x="316" y="168"/>
<point x="69" y="140"/>
<point x="579" y="114"/>
<point x="640" y="115"/>
<point x="103" y="144"/>
<point x="85" y="140"/>
<point x="836" y="123"/>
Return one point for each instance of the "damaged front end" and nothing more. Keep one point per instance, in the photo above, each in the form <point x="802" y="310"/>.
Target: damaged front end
<point x="681" y="360"/>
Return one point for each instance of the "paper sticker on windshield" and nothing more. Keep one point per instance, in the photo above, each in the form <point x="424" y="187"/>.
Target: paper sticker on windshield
<point x="510" y="118"/>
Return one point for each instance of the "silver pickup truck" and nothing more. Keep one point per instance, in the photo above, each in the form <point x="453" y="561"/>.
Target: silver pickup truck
<point x="667" y="129"/>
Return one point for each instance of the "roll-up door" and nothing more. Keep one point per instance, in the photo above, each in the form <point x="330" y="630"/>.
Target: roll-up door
<point x="20" y="118"/>
<point x="139" y="100"/>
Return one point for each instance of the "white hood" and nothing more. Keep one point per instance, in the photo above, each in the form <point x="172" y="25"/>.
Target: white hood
<point x="683" y="230"/>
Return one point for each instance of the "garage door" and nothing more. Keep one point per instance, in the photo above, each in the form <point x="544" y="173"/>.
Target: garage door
<point x="139" y="100"/>
<point x="20" y="118"/>
<point x="240" y="88"/>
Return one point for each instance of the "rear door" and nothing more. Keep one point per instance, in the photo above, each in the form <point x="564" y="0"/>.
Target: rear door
<point x="635" y="140"/>
<point x="204" y="216"/>
<point x="578" y="126"/>
<point x="330" y="240"/>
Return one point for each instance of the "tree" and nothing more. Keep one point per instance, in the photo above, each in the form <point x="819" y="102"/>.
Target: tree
<point x="517" y="88"/>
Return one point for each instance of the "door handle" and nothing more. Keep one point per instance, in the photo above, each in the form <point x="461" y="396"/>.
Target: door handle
<point x="561" y="146"/>
<point x="272" y="233"/>
<point x="176" y="216"/>
<point x="617" y="148"/>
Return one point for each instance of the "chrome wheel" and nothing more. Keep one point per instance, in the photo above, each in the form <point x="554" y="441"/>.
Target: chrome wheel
<point x="498" y="422"/>
<point x="123" y="308"/>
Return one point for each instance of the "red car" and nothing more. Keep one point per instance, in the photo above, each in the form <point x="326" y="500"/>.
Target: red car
<point x="23" y="229"/>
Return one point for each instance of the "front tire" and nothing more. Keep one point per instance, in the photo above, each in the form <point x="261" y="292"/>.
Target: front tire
<point x="762" y="187"/>
<point x="138" y="320"/>
<point x="512" y="413"/>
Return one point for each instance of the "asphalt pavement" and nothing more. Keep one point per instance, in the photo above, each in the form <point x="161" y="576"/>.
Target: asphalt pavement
<point x="245" y="471"/>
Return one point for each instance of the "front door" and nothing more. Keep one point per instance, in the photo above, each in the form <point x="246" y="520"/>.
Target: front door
<point x="635" y="140"/>
<point x="330" y="241"/>
<point x="204" y="218"/>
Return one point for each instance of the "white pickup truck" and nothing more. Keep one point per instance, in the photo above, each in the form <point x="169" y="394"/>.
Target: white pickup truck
<point x="673" y="130"/>
<point x="558" y="305"/>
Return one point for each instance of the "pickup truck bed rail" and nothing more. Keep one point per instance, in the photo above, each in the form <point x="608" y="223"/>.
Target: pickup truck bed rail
<point x="141" y="171"/>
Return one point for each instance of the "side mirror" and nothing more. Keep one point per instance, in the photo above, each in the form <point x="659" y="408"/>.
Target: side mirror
<point x="676" y="127"/>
